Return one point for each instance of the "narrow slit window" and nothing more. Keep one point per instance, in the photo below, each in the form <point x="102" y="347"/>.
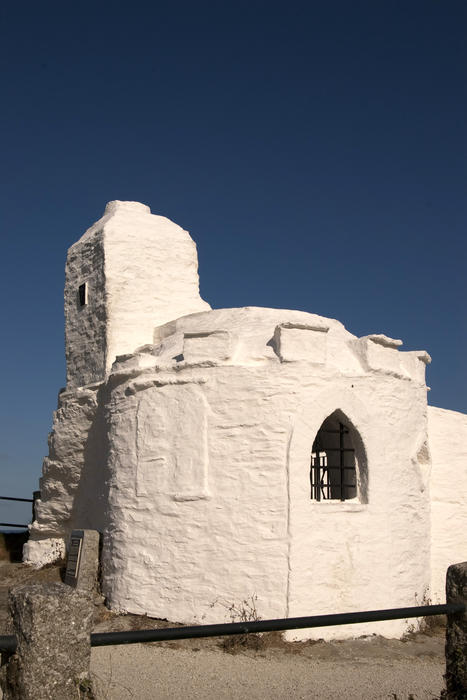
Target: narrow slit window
<point x="83" y="294"/>
<point x="333" y="469"/>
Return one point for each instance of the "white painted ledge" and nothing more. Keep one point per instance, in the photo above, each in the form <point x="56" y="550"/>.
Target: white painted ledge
<point x="338" y="506"/>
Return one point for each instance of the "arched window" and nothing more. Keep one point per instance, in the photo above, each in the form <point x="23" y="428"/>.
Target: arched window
<point x="334" y="471"/>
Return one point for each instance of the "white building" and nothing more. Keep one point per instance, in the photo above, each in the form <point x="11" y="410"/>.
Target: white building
<point x="236" y="452"/>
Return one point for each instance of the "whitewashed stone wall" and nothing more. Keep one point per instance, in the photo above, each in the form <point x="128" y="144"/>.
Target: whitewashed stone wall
<point x="186" y="439"/>
<point x="210" y="441"/>
<point x="73" y="484"/>
<point x="374" y="552"/>
<point x="140" y="270"/>
<point x="448" y="446"/>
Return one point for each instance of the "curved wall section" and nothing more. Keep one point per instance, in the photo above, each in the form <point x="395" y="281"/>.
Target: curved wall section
<point x="372" y="551"/>
<point x="210" y="497"/>
<point x="197" y="495"/>
<point x="448" y="448"/>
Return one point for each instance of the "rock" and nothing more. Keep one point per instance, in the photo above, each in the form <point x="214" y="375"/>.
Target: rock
<point x="52" y="623"/>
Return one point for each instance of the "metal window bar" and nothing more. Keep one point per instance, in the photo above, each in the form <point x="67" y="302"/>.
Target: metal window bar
<point x="328" y="480"/>
<point x="341" y="461"/>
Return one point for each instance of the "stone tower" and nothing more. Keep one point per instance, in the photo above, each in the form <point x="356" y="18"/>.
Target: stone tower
<point x="131" y="271"/>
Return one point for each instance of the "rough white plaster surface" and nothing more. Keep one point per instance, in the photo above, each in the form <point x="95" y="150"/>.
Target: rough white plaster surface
<point x="301" y="342"/>
<point x="263" y="381"/>
<point x="448" y="446"/>
<point x="38" y="553"/>
<point x="191" y="453"/>
<point x="73" y="484"/>
<point x="140" y="270"/>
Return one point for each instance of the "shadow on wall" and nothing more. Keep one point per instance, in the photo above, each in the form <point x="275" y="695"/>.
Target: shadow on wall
<point x="90" y="503"/>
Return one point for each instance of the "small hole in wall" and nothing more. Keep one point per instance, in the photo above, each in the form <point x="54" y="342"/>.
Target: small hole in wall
<point x="83" y="294"/>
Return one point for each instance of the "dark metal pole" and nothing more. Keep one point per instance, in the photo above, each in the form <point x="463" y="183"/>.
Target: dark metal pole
<point x="10" y="498"/>
<point x="98" y="639"/>
<point x="171" y="633"/>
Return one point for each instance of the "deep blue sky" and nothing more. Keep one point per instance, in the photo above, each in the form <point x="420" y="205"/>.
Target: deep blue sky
<point x="316" y="151"/>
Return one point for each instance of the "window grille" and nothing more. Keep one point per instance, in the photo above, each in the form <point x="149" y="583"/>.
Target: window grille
<point x="333" y="466"/>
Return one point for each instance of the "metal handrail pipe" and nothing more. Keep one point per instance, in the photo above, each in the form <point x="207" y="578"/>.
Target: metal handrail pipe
<point x="171" y="633"/>
<point x="13" y="525"/>
<point x="10" y="498"/>
<point x="99" y="639"/>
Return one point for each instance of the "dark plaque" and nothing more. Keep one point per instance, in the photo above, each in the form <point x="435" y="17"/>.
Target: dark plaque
<point x="74" y="557"/>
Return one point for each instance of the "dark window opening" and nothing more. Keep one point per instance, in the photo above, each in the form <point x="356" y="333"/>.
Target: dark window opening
<point x="83" y="294"/>
<point x="333" y="472"/>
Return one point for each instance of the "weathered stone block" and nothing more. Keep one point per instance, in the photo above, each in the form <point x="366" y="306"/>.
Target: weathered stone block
<point x="207" y="346"/>
<point x="296" y="341"/>
<point x="52" y="623"/>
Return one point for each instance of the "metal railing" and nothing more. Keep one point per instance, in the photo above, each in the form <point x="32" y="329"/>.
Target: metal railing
<point x="32" y="500"/>
<point x="8" y="643"/>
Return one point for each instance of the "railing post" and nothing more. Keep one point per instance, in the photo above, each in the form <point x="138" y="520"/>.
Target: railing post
<point x="52" y="624"/>
<point x="456" y="633"/>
